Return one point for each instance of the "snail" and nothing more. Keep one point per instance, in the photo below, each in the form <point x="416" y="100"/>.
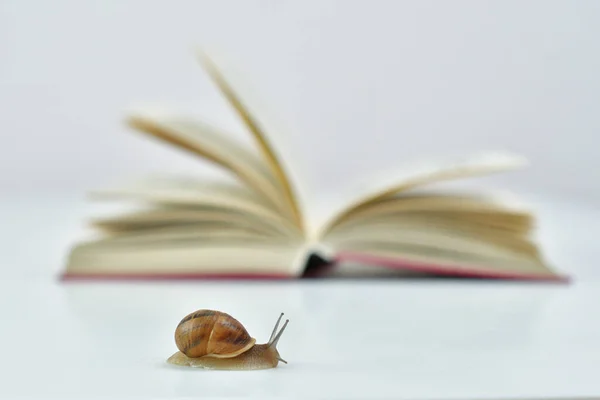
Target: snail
<point x="215" y="340"/>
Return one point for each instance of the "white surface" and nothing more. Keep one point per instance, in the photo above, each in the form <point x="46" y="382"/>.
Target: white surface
<point x="402" y="339"/>
<point x="386" y="82"/>
<point x="344" y="340"/>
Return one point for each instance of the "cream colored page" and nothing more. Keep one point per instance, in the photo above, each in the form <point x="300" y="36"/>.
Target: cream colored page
<point x="460" y="207"/>
<point x="421" y="176"/>
<point x="492" y="227"/>
<point x="440" y="242"/>
<point x="211" y="234"/>
<point x="213" y="145"/>
<point x="267" y="150"/>
<point x="457" y="260"/>
<point x="510" y="239"/>
<point x="174" y="193"/>
<point x="184" y="216"/>
<point x="210" y="228"/>
<point x="235" y="258"/>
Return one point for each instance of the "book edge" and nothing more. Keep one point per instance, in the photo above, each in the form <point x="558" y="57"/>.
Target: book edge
<point x="440" y="269"/>
<point x="74" y="276"/>
<point x="322" y="263"/>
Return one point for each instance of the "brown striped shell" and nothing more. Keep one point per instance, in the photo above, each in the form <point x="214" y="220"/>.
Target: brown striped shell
<point x="212" y="334"/>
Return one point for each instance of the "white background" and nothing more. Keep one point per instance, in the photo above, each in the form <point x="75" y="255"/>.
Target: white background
<point x="348" y="90"/>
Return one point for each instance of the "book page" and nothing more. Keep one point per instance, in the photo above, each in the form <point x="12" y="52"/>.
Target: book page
<point x="421" y="176"/>
<point x="476" y="217"/>
<point x="251" y="123"/>
<point x="213" y="145"/>
<point x="444" y="232"/>
<point x="204" y="233"/>
<point x="440" y="229"/>
<point x="198" y="195"/>
<point x="443" y="245"/>
<point x="434" y="205"/>
<point x="190" y="258"/>
<point x="182" y="216"/>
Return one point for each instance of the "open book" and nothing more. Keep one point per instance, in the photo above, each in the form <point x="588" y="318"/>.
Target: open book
<point x="255" y="227"/>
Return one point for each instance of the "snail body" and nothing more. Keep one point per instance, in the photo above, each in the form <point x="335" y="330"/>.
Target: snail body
<point x="215" y="340"/>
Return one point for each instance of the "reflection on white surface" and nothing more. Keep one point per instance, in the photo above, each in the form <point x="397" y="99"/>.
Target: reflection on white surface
<point x="348" y="339"/>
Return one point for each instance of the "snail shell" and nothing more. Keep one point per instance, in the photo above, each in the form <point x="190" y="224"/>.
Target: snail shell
<point x="212" y="334"/>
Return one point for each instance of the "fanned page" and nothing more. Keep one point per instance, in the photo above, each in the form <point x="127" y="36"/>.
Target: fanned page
<point x="177" y="197"/>
<point x="184" y="228"/>
<point x="213" y="145"/>
<point x="410" y="228"/>
<point x="186" y="258"/>
<point x="253" y="126"/>
<point x="427" y="174"/>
